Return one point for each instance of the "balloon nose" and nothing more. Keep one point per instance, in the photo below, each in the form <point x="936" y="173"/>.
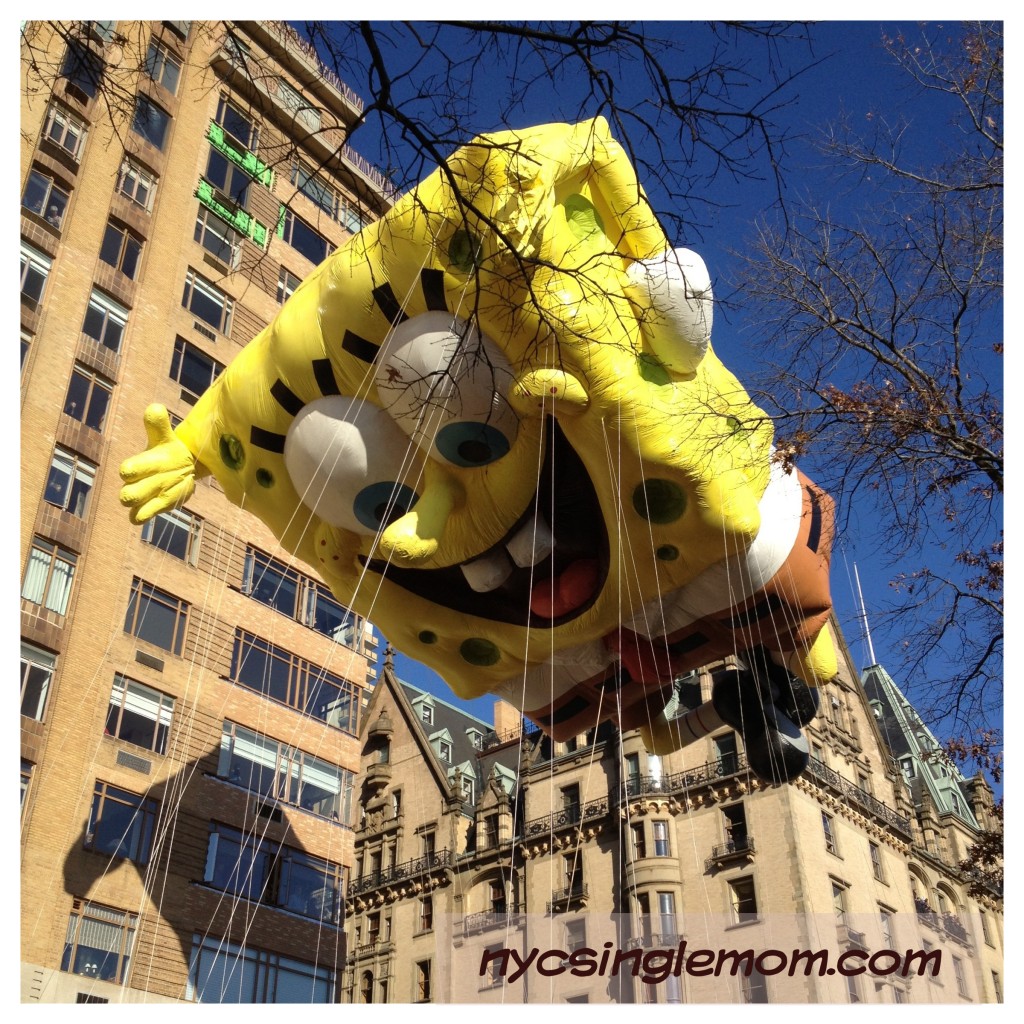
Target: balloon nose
<point x="413" y="538"/>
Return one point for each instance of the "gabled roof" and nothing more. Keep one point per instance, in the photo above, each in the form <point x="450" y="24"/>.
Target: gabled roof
<point x="911" y="743"/>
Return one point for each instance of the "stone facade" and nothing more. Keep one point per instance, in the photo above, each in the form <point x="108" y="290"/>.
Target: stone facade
<point x="597" y="846"/>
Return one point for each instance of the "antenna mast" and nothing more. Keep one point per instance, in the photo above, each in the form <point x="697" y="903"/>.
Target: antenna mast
<point x="864" y="617"/>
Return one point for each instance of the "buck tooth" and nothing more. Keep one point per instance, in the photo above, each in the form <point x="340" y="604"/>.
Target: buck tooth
<point x="532" y="544"/>
<point x="488" y="573"/>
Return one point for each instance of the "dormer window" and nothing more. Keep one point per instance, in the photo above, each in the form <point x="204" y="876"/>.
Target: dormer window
<point x="427" y="714"/>
<point x="444" y="750"/>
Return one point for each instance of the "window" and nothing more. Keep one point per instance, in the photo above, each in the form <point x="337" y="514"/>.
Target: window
<point x="575" y="935"/>
<point x="207" y="302"/>
<point x="150" y="122"/>
<point x="105" y="321"/>
<point x="285" y="677"/>
<point x="99" y="942"/>
<point x="156" y="616"/>
<point x="423" y="981"/>
<point x="426" y="913"/>
<point x="427" y="714"/>
<point x="139" y="714"/>
<point x="907" y="764"/>
<point x="223" y="972"/>
<point x="192" y="368"/>
<point x="852" y="989"/>
<point x="276" y="771"/>
<point x="667" y="914"/>
<point x="876" y="860"/>
<point x="228" y="178"/>
<point x="571" y="802"/>
<point x="444" y="750"/>
<point x="632" y="763"/>
<point x="45" y="198"/>
<point x="735" y="821"/>
<point x="180" y="27"/>
<point x="26" y="344"/>
<point x="639" y="840"/>
<point x="997" y="986"/>
<point x="251" y="866"/>
<point x="659" y="830"/>
<point x="217" y="237"/>
<point x="366" y="987"/>
<point x="830" y="838"/>
<point x="743" y="898"/>
<point x="177" y="532"/>
<point x="427" y="842"/>
<point x="121" y="249"/>
<point x="287" y="282"/>
<point x="281" y="587"/>
<point x="70" y="482"/>
<point x="35" y="269"/>
<point x="88" y="398"/>
<point x="136" y="184"/>
<point x="754" y="987"/>
<point x="885" y="917"/>
<point x="242" y="130"/>
<point x="297" y="103"/>
<point x="162" y="66"/>
<point x="573" y="874"/>
<point x="64" y="130"/>
<point x="121" y="824"/>
<point x="26" y="780"/>
<point x="986" y="934"/>
<point x="49" y="575"/>
<point x="726" y="753"/>
<point x="490" y="831"/>
<point x="315" y="189"/>
<point x="961" y="977"/>
<point x="37" y="668"/>
<point x="271" y="582"/>
<point x="839" y="903"/>
<point x="103" y="30"/>
<point x="305" y="239"/>
<point x="83" y="68"/>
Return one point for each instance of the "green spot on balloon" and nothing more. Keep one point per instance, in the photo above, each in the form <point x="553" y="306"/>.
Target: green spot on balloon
<point x="651" y="369"/>
<point x="264" y="478"/>
<point x="659" y="501"/>
<point x="668" y="552"/>
<point x="581" y="216"/>
<point x="464" y="251"/>
<point x="477" y="651"/>
<point x="428" y="637"/>
<point x="232" y="454"/>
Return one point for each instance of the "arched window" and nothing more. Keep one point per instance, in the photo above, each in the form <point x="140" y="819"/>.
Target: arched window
<point x="366" y="987"/>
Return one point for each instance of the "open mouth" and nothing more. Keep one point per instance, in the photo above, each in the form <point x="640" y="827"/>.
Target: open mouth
<point x="547" y="570"/>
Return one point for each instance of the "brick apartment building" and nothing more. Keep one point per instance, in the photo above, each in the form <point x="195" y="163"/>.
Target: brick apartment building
<point x="190" y="700"/>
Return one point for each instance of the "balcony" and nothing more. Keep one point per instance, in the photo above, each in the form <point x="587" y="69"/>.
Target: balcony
<point x="739" y="849"/>
<point x="488" y="920"/>
<point x="571" y="898"/>
<point x="851" y="938"/>
<point x="654" y="940"/>
<point x="441" y="860"/>
<point x="569" y="817"/>
<point x="860" y="798"/>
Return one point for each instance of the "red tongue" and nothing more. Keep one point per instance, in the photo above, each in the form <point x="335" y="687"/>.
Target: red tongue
<point x="551" y="599"/>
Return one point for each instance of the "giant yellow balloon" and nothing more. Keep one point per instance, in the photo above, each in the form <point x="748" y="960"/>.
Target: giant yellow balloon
<point x="494" y="423"/>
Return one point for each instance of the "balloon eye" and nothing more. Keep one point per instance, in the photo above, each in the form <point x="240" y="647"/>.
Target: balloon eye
<point x="471" y="444"/>
<point x="380" y="504"/>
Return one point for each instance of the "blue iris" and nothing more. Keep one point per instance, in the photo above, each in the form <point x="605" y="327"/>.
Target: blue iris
<point x="471" y="444"/>
<point x="380" y="504"/>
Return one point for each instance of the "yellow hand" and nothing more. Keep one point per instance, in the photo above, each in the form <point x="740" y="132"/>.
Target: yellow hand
<point x="163" y="476"/>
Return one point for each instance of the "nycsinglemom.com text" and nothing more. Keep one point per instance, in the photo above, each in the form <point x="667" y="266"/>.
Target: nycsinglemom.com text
<point x="655" y="965"/>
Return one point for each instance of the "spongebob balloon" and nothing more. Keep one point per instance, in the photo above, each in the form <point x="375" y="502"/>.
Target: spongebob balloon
<point x="494" y="423"/>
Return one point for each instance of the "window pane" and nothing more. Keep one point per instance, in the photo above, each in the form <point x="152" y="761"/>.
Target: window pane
<point x="36" y="673"/>
<point x="150" y="122"/>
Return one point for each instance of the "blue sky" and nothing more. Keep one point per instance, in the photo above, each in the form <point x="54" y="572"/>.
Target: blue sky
<point x="853" y="77"/>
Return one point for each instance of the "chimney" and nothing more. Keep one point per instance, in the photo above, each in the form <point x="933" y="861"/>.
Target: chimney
<point x="507" y="718"/>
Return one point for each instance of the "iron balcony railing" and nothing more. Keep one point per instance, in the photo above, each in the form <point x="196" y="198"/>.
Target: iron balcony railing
<point x="861" y="798"/>
<point x="400" y="872"/>
<point x="562" y="899"/>
<point x="725" y="852"/>
<point x="487" y="920"/>
<point x="645" y="785"/>
<point x="575" y="814"/>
